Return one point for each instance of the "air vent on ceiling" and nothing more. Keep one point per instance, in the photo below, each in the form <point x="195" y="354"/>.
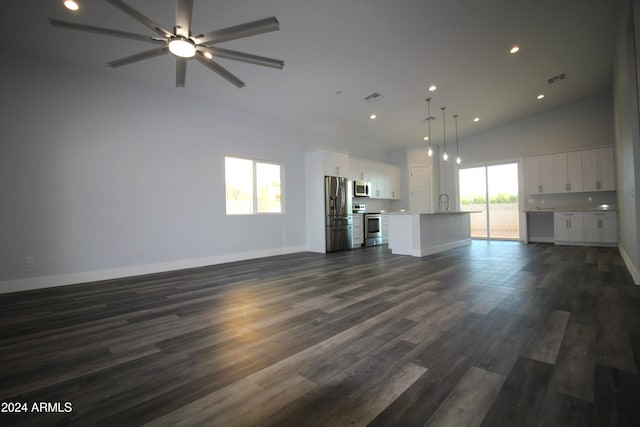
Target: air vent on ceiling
<point x="557" y="78"/>
<point x="375" y="96"/>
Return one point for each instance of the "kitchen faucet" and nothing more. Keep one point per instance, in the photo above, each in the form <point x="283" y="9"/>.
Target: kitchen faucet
<point x="444" y="205"/>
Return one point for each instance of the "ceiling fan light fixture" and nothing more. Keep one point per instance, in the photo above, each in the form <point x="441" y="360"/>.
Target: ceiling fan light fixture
<point x="71" y="5"/>
<point x="182" y="47"/>
<point x="208" y="55"/>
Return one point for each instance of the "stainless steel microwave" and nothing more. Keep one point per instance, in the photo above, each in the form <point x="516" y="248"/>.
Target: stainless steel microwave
<point x="361" y="189"/>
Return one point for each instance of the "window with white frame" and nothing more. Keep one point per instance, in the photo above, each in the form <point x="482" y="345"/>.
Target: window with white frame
<point x="252" y="186"/>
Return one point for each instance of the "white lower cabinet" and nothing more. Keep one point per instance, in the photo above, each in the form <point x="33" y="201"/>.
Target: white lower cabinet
<point x="568" y="227"/>
<point x="585" y="228"/>
<point x="600" y="227"/>
<point x="358" y="230"/>
<point x="384" y="225"/>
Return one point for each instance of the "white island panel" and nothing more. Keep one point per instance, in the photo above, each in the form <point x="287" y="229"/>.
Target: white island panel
<point x="422" y="234"/>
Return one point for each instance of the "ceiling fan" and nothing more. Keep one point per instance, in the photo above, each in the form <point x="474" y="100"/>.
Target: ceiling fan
<point x="183" y="44"/>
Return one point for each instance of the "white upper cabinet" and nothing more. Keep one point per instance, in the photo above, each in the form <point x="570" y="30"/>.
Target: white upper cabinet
<point x="384" y="178"/>
<point x="567" y="172"/>
<point x="539" y="171"/>
<point x="598" y="170"/>
<point x="392" y="187"/>
<point x="356" y="170"/>
<point x="335" y="163"/>
<point x="576" y="171"/>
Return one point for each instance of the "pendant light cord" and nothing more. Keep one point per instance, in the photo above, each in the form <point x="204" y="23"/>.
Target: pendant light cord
<point x="429" y="122"/>
<point x="444" y="135"/>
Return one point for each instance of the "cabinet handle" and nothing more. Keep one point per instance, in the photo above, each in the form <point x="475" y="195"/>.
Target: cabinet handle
<point x="567" y="186"/>
<point x="598" y="185"/>
<point x="568" y="223"/>
<point x="539" y="188"/>
<point x="337" y="170"/>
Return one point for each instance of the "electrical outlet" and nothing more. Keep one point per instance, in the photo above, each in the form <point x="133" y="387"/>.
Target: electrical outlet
<point x="29" y="261"/>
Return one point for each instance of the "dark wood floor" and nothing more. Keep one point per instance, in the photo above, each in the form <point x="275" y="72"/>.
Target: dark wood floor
<point x="494" y="334"/>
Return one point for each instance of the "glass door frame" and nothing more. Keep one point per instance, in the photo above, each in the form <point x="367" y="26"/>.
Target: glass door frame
<point x="521" y="195"/>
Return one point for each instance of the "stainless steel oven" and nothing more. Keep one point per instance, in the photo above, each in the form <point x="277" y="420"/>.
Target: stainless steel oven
<point x="372" y="229"/>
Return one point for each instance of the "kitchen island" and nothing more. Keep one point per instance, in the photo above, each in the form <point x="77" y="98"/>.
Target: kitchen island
<point x="426" y="233"/>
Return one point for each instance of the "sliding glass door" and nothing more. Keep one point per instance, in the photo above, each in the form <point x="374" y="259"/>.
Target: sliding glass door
<point x="493" y="192"/>
<point x="473" y="197"/>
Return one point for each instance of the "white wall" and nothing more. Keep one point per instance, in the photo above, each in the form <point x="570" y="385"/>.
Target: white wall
<point x="584" y="123"/>
<point x="104" y="178"/>
<point x="578" y="125"/>
<point x="627" y="135"/>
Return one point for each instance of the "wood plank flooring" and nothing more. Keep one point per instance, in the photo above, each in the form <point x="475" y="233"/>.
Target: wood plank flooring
<point x="494" y="334"/>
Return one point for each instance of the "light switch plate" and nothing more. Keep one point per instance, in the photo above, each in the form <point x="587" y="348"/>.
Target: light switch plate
<point x="29" y="261"/>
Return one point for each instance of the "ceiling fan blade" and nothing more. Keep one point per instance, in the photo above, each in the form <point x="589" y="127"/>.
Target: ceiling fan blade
<point x="139" y="57"/>
<point x="244" y="57"/>
<point x="221" y="71"/>
<point x="140" y="17"/>
<point x="239" y="31"/>
<point x="104" y="31"/>
<point x="183" y="17"/>
<point x="181" y="71"/>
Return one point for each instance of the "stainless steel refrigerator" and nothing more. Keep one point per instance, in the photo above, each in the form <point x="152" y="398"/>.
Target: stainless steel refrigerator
<point x="338" y="214"/>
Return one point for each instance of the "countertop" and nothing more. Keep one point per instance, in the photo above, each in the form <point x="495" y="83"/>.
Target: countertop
<point x="428" y="212"/>
<point x="588" y="208"/>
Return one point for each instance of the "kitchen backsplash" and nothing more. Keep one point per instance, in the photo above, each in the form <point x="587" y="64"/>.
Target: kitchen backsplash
<point x="549" y="201"/>
<point x="373" y="205"/>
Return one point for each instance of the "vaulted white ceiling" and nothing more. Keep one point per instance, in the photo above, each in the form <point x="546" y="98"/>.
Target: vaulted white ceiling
<point x="337" y="52"/>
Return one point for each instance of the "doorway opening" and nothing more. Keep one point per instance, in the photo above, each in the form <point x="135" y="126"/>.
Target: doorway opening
<point x="492" y="191"/>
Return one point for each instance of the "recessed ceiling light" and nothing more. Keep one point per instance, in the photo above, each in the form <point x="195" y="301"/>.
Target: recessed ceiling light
<point x="373" y="116"/>
<point x="71" y="5"/>
<point x="477" y="119"/>
<point x="208" y="55"/>
<point x="541" y="96"/>
<point x="514" y="49"/>
<point x="432" y="88"/>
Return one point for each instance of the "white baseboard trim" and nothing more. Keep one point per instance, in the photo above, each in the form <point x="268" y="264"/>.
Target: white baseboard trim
<point x="441" y="248"/>
<point x="41" y="282"/>
<point x="627" y="261"/>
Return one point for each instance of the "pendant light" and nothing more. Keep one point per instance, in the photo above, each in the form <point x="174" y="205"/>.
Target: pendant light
<point x="429" y="150"/>
<point x="458" y="159"/>
<point x="445" y="156"/>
